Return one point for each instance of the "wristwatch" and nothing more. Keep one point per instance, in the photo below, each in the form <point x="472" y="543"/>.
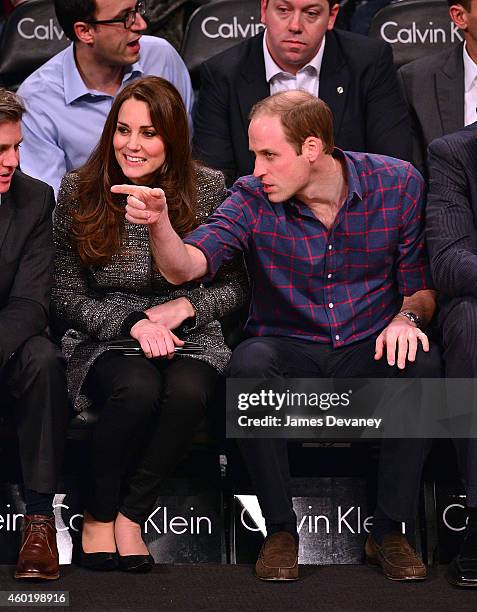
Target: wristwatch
<point x="412" y="316"/>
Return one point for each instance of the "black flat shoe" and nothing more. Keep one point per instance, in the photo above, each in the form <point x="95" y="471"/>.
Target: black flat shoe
<point x="139" y="564"/>
<point x="99" y="561"/>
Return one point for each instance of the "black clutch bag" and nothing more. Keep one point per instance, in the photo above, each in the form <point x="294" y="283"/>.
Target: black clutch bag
<point x="130" y="346"/>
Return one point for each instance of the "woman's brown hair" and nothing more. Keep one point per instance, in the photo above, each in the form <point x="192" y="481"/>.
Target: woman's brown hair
<point x="98" y="222"/>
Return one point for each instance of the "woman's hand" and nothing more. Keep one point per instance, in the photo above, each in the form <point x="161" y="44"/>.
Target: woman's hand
<point x="171" y="314"/>
<point x="145" y="205"/>
<point x="155" y="339"/>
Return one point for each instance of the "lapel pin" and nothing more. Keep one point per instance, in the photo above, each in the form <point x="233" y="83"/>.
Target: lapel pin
<point x="340" y="90"/>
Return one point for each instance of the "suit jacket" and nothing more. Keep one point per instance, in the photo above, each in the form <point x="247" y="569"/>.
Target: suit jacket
<point x="433" y="87"/>
<point x="26" y="261"/>
<point x="369" y="115"/>
<point x="451" y="216"/>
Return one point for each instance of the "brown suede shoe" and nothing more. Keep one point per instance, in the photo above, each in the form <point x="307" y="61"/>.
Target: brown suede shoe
<point x="278" y="558"/>
<point x="38" y="556"/>
<point x="395" y="557"/>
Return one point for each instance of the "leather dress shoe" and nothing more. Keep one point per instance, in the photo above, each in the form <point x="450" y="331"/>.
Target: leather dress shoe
<point x="397" y="559"/>
<point x="99" y="561"/>
<point x="278" y="558"/>
<point x="462" y="571"/>
<point x="38" y="556"/>
<point x="136" y="564"/>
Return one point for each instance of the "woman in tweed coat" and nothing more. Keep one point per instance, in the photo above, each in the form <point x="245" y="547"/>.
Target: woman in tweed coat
<point x="107" y="287"/>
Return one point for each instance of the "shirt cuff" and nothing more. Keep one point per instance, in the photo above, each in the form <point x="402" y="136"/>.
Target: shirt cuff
<point x="131" y="320"/>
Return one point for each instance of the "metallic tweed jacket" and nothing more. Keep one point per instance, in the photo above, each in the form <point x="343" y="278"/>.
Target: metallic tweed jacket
<point x="92" y="303"/>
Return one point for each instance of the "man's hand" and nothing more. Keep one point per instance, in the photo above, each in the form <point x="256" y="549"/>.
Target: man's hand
<point x="171" y="314"/>
<point x="145" y="205"/>
<point x="155" y="339"/>
<point x="403" y="335"/>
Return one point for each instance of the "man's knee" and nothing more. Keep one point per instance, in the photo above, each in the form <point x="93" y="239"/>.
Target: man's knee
<point x="39" y="355"/>
<point x="255" y="358"/>
<point x="428" y="364"/>
<point x="459" y="329"/>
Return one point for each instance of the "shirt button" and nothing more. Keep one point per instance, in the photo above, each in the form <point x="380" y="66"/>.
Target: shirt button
<point x="330" y="246"/>
<point x="337" y="337"/>
<point x="330" y="305"/>
<point x="330" y="275"/>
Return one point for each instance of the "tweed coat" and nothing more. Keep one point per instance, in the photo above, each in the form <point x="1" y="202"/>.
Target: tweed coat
<point x="92" y="303"/>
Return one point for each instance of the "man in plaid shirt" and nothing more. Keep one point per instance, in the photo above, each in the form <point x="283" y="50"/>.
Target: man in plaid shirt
<point x="340" y="288"/>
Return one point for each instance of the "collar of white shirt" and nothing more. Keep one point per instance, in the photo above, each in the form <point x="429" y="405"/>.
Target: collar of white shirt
<point x="272" y="69"/>
<point x="470" y="70"/>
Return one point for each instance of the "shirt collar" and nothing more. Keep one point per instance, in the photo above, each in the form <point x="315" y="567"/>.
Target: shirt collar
<point x="354" y="184"/>
<point x="352" y="178"/>
<point x="74" y="85"/>
<point x="470" y="70"/>
<point x="272" y="69"/>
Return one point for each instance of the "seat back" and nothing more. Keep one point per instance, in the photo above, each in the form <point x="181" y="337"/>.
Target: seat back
<point x="415" y="28"/>
<point x="216" y="26"/>
<point x="30" y="37"/>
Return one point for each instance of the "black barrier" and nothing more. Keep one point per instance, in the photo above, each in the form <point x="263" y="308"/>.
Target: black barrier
<point x="415" y="28"/>
<point x="333" y="520"/>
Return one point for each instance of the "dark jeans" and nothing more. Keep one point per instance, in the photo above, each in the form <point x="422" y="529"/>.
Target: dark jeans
<point x="459" y="337"/>
<point x="401" y="460"/>
<point x="149" y="411"/>
<point x="35" y="384"/>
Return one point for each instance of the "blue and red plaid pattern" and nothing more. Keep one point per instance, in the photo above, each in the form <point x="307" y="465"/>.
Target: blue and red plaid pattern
<point x="337" y="286"/>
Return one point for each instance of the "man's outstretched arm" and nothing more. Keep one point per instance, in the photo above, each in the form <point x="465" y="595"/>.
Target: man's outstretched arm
<point x="176" y="261"/>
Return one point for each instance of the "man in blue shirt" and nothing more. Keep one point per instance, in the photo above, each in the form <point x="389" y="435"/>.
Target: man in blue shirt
<point x="69" y="97"/>
<point x="341" y="287"/>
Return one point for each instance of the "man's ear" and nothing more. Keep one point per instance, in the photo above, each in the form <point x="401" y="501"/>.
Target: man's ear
<point x="263" y="6"/>
<point x="333" y="15"/>
<point x="312" y="148"/>
<point x="459" y="16"/>
<point x="84" y="32"/>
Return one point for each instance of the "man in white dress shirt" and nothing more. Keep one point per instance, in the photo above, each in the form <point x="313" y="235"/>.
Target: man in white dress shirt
<point x="441" y="89"/>
<point x="300" y="49"/>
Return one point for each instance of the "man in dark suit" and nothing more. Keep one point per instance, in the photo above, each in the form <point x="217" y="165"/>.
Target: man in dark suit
<point x="441" y="89"/>
<point x="353" y="74"/>
<point x="452" y="240"/>
<point x="32" y="373"/>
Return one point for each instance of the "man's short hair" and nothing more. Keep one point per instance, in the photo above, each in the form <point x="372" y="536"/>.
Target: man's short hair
<point x="11" y="107"/>
<point x="465" y="3"/>
<point x="68" y="12"/>
<point x="302" y="115"/>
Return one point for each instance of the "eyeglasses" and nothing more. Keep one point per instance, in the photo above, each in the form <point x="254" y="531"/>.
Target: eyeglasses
<point x="129" y="18"/>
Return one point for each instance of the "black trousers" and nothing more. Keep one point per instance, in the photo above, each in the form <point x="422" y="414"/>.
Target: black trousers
<point x="149" y="411"/>
<point x="401" y="460"/>
<point x="459" y="338"/>
<point x="34" y="383"/>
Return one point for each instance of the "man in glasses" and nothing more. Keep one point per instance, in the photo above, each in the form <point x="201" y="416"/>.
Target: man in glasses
<point x="69" y="97"/>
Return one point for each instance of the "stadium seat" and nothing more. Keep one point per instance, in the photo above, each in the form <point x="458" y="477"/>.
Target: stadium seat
<point x="415" y="28"/>
<point x="216" y="26"/>
<point x="30" y="37"/>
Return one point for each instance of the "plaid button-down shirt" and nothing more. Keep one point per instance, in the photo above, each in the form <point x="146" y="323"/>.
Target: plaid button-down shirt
<point x="339" y="285"/>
